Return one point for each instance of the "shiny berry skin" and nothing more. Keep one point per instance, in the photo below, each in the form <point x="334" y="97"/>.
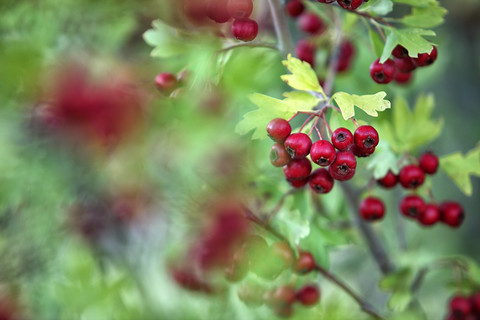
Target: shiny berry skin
<point x="294" y="8"/>
<point x="308" y="295"/>
<point x="245" y="29"/>
<point x="372" y="209"/>
<point x="460" y="307"/>
<point x="298" y="145"/>
<point x="305" y="51"/>
<point x="278" y="130"/>
<point x="428" y="162"/>
<point x="321" y="181"/>
<point x="412" y="206"/>
<point x="382" y="73"/>
<point x="365" y="137"/>
<point x="403" y="77"/>
<point x="305" y="263"/>
<point x="298" y="183"/>
<point x="240" y="9"/>
<point x="342" y="139"/>
<point x="217" y="11"/>
<point x="310" y="23"/>
<point x="279" y="156"/>
<point x="343" y="168"/>
<point x="298" y="169"/>
<point x="389" y="180"/>
<point x="322" y="153"/>
<point x="426" y="59"/>
<point x="350" y="4"/>
<point x="411" y="176"/>
<point x="405" y="64"/>
<point x="166" y="82"/>
<point x="452" y="213"/>
<point x="346" y="53"/>
<point x="400" y="52"/>
<point x="430" y="216"/>
<point x="475" y="300"/>
<point x="361" y="152"/>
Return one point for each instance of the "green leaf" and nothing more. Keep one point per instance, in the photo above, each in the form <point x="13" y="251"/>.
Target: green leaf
<point x="459" y="168"/>
<point x="368" y="103"/>
<point x="376" y="41"/>
<point x="305" y="99"/>
<point x="427" y="17"/>
<point x="379" y="7"/>
<point x="316" y="246"/>
<point x="411" y="38"/>
<point x="416" y="3"/>
<point x="165" y="40"/>
<point x="399" y="282"/>
<point x="292" y="224"/>
<point x="303" y="77"/>
<point x="383" y="160"/>
<point x="270" y="108"/>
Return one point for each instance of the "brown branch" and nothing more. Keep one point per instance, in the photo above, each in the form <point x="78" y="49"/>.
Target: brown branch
<point x="285" y="43"/>
<point x="250" y="45"/>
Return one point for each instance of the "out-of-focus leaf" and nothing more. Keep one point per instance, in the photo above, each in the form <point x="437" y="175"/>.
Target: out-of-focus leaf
<point x="383" y="160"/>
<point x="411" y="38"/>
<point x="380" y="7"/>
<point x="428" y="17"/>
<point x="459" y="168"/>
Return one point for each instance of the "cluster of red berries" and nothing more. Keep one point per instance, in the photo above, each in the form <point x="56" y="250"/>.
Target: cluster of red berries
<point x="412" y="206"/>
<point x="243" y="28"/>
<point x="346" y="4"/>
<point x="290" y="152"/>
<point x="465" y="308"/>
<point x="401" y="67"/>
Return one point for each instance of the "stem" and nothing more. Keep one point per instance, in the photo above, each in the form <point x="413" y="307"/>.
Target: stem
<point x="332" y="64"/>
<point x="279" y="205"/>
<point x="285" y="44"/>
<point x="374" y="244"/>
<point x="251" y="45"/>
<point x="364" y="305"/>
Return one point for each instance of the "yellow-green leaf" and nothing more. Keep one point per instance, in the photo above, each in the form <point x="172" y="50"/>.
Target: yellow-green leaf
<point x="459" y="168"/>
<point x="302" y="77"/>
<point x="371" y="104"/>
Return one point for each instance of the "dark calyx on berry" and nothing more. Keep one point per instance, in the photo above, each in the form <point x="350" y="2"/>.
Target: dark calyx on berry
<point x="321" y="181"/>
<point x="350" y="4"/>
<point x="342" y="139"/>
<point x="343" y="168"/>
<point x="298" y="145"/>
<point x="366" y="137"/>
<point x="411" y="206"/>
<point x="322" y="153"/>
<point x="372" y="209"/>
<point x="411" y="176"/>
<point x="279" y="156"/>
<point x="382" y="73"/>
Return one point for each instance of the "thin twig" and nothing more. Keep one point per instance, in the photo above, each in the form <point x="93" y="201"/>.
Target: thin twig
<point x="285" y="43"/>
<point x="333" y="63"/>
<point x="279" y="205"/>
<point x="251" y="45"/>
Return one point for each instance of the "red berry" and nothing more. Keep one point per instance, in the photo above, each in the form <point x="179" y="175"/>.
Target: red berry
<point x="240" y="9"/>
<point x="426" y="59"/>
<point x="365" y="137"/>
<point x="411" y="176"/>
<point x="166" y="82"/>
<point x="305" y="263"/>
<point x="412" y="206"/>
<point x="342" y="139"/>
<point x="308" y="295"/>
<point x="389" y="181"/>
<point x="311" y="23"/>
<point x="279" y="156"/>
<point x="405" y="64"/>
<point x="322" y="153"/>
<point x="345" y="55"/>
<point x="298" y="183"/>
<point x="400" y="52"/>
<point x="298" y="145"/>
<point x="217" y="11"/>
<point x="306" y="52"/>
<point x="359" y="152"/>
<point x="452" y="213"/>
<point x="382" y="73"/>
<point x="245" y="29"/>
<point x="372" y="209"/>
<point x="475" y="300"/>
<point x="460" y="307"/>
<point x="294" y="8"/>
<point x="403" y="77"/>
<point x="430" y="216"/>
<point x="343" y="168"/>
<point x="429" y="162"/>
<point x="320" y="181"/>
<point x="350" y="4"/>
<point x="279" y="129"/>
<point x="298" y="169"/>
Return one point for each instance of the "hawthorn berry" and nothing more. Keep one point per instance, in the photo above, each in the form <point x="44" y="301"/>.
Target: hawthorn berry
<point x="166" y="82"/>
<point x="305" y="51"/>
<point x="362" y="152"/>
<point x="426" y="59"/>
<point x="475" y="300"/>
<point x="308" y="295"/>
<point x="298" y="169"/>
<point x="298" y="145"/>
<point x="310" y="23"/>
<point x="412" y="206"/>
<point x="382" y="73"/>
<point x="342" y="139"/>
<point x="411" y="176"/>
<point x="240" y="9"/>
<point x="345" y="55"/>
<point x="294" y="8"/>
<point x="402" y="77"/>
<point x="245" y="29"/>
<point x="365" y="137"/>
<point x="279" y="129"/>
<point x="372" y="209"/>
<point x="389" y="180"/>
<point x="428" y="162"/>
<point x="217" y="11"/>
<point x="322" y="153"/>
<point x="452" y="213"/>
<point x="298" y="183"/>
<point x="405" y="65"/>
<point x="400" y="52"/>
<point x="279" y="156"/>
<point x="430" y="216"/>
<point x="350" y="4"/>
<point x="305" y="263"/>
<point x="343" y="168"/>
<point x="460" y="307"/>
<point x="326" y="1"/>
<point x="321" y="181"/>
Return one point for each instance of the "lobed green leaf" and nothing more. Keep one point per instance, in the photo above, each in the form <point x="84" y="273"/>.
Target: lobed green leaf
<point x="371" y="104"/>
<point x="459" y="168"/>
<point x="303" y="77"/>
<point x="411" y="39"/>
